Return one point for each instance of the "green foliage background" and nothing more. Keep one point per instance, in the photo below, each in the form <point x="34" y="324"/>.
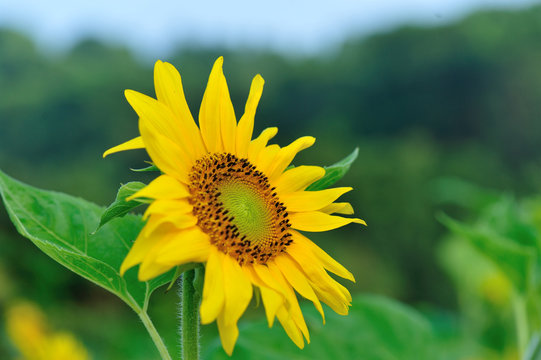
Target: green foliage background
<point x="422" y="104"/>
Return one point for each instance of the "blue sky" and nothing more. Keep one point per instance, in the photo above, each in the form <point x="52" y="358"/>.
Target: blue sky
<point x="152" y="28"/>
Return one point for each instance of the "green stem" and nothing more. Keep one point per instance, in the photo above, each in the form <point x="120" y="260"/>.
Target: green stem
<point x="154" y="335"/>
<point x="189" y="304"/>
<point x="521" y="321"/>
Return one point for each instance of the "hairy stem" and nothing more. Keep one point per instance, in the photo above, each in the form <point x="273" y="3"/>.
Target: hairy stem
<point x="189" y="310"/>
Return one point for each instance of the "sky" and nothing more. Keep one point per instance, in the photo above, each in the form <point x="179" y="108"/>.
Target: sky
<point x="154" y="28"/>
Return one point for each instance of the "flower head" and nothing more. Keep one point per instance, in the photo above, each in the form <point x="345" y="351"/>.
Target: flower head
<point x="232" y="203"/>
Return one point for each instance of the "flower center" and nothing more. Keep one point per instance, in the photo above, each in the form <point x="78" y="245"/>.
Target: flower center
<point x="236" y="206"/>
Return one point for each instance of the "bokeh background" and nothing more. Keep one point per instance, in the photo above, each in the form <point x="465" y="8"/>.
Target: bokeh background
<point x="440" y="100"/>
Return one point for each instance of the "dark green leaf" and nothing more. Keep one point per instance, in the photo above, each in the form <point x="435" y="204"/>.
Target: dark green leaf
<point x="376" y="328"/>
<point x="60" y="226"/>
<point x="513" y="259"/>
<point x="334" y="172"/>
<point x="120" y="206"/>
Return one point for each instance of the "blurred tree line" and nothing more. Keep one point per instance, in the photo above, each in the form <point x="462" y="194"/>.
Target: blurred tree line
<point x="460" y="100"/>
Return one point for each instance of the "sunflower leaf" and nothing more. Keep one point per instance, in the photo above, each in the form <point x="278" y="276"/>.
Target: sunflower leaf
<point x="334" y="172"/>
<point x="60" y="225"/>
<point x="146" y="169"/>
<point x="376" y="328"/>
<point x="120" y="206"/>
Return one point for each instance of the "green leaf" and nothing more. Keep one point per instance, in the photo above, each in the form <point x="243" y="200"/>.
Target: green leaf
<point x="148" y="168"/>
<point x="513" y="259"/>
<point x="334" y="172"/>
<point x="120" y="206"/>
<point x="376" y="328"/>
<point x="60" y="226"/>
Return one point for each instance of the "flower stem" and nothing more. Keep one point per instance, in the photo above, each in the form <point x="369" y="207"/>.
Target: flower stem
<point x="189" y="304"/>
<point x="154" y="335"/>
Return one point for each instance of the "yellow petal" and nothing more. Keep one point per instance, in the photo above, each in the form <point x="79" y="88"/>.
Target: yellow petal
<point x="166" y="207"/>
<point x="266" y="158"/>
<point x="213" y="289"/>
<point x="169" y="91"/>
<point x="298" y="178"/>
<point x="312" y="200"/>
<point x="246" y="122"/>
<point x="338" y="208"/>
<point x="290" y="327"/>
<point x="264" y="274"/>
<point x="165" y="154"/>
<point x="318" y="221"/>
<point x="316" y="273"/>
<point x="286" y="155"/>
<point x="135" y="143"/>
<point x="190" y="245"/>
<point x="140" y="248"/>
<point x="272" y="302"/>
<point x="160" y="120"/>
<point x="307" y="260"/>
<point x="216" y="116"/>
<point x="292" y="303"/>
<point x="273" y="278"/>
<point x="258" y="144"/>
<point x="251" y="274"/>
<point x="339" y="306"/>
<point x="163" y="187"/>
<point x="344" y="291"/>
<point x="229" y="332"/>
<point x="272" y="299"/>
<point x="149" y="268"/>
<point x="177" y="219"/>
<point x="294" y="275"/>
<point x="238" y="290"/>
<point x="307" y="246"/>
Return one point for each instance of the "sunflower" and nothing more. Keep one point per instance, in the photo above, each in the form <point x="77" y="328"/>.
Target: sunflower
<point x="234" y="204"/>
